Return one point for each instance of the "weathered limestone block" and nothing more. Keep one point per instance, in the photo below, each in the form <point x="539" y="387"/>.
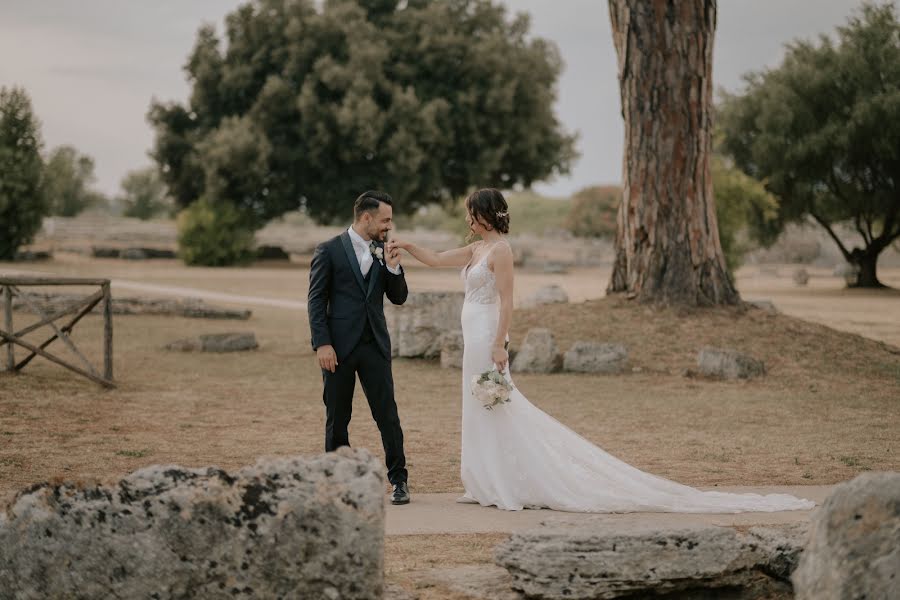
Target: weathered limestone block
<point x="538" y="353"/>
<point x="729" y="364"/>
<point x="216" y="342"/>
<point x="551" y="294"/>
<point x="452" y="350"/>
<point x="188" y="307"/>
<point x="417" y="325"/>
<point x="269" y="252"/>
<point x="32" y="255"/>
<point x="282" y="528"/>
<point x="132" y="253"/>
<point x="596" y="357"/>
<point x="854" y="542"/>
<point x="600" y="561"/>
<point x="766" y="305"/>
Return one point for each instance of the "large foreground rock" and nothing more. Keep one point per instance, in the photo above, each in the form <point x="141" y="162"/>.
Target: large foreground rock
<point x="283" y="528"/>
<point x="596" y="357"/>
<point x="538" y="354"/>
<point x="728" y="364"/>
<point x="417" y="326"/>
<point x="597" y="561"/>
<point x="216" y="342"/>
<point x="854" y="544"/>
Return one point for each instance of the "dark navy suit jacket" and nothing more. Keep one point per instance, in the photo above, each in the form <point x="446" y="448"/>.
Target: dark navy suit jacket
<point x="340" y="301"/>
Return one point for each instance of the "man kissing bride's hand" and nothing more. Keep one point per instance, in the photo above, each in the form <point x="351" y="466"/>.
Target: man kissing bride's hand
<point x="392" y="254"/>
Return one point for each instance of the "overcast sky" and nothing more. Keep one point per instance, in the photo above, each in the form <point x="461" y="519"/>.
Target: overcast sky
<point x="92" y="67"/>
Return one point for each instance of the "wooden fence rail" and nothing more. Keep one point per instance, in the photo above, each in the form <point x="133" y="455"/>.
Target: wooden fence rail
<point x="10" y="287"/>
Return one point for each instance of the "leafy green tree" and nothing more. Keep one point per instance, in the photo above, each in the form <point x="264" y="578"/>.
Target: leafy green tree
<point x="143" y="194"/>
<point x="823" y="132"/>
<point x="307" y="105"/>
<point x="747" y="214"/>
<point x="68" y="176"/>
<point x="22" y="204"/>
<point x="593" y="212"/>
<point x="213" y="235"/>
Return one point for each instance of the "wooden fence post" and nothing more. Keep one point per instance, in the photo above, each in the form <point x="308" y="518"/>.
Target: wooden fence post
<point x="8" y="325"/>
<point x="107" y="333"/>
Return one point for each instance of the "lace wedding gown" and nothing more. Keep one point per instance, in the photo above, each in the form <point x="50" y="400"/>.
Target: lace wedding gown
<point x="516" y="456"/>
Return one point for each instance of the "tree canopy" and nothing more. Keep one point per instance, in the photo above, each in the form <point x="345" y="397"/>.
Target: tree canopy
<point x="306" y="106"/>
<point x="143" y="194"/>
<point x="22" y="204"/>
<point x="822" y="131"/>
<point x="68" y="177"/>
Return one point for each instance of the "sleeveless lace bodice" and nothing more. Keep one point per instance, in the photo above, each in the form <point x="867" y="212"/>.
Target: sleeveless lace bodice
<point x="481" y="284"/>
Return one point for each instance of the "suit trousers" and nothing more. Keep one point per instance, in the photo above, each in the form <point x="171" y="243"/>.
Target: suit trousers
<point x="374" y="370"/>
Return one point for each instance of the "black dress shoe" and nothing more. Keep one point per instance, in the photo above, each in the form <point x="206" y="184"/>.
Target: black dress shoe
<point x="400" y="495"/>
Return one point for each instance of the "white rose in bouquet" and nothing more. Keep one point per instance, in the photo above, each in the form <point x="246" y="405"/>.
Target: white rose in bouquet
<point x="491" y="388"/>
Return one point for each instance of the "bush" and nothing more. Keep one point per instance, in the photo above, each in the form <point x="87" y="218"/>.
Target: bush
<point x="22" y="205"/>
<point x="747" y="213"/>
<point x="437" y="217"/>
<point x="213" y="235"/>
<point x="593" y="212"/>
<point x="530" y="212"/>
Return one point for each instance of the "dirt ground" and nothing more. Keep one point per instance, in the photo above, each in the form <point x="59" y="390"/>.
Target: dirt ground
<point x="828" y="409"/>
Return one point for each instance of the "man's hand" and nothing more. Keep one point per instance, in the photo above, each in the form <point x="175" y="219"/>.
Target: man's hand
<point x="393" y="254"/>
<point x="327" y="357"/>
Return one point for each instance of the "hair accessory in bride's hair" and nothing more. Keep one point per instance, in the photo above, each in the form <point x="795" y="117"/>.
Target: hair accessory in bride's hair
<point x="502" y="213"/>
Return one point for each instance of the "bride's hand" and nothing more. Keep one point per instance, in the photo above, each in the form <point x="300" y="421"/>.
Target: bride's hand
<point x="395" y="243"/>
<point x="500" y="358"/>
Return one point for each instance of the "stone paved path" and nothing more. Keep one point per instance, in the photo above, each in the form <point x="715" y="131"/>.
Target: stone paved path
<point x="441" y="514"/>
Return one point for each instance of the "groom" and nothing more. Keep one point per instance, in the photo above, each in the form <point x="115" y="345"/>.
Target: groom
<point x="348" y="279"/>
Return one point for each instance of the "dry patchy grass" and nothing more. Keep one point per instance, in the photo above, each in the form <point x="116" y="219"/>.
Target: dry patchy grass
<point x="406" y="557"/>
<point x="827" y="410"/>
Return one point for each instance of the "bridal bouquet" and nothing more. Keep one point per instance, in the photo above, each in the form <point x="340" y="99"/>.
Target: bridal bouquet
<point x="491" y="388"/>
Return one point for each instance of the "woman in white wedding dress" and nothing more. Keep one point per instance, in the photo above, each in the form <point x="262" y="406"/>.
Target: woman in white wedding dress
<point x="516" y="456"/>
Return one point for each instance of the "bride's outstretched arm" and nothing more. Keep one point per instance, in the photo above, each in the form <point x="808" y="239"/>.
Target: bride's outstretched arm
<point x="458" y="257"/>
<point x="503" y="272"/>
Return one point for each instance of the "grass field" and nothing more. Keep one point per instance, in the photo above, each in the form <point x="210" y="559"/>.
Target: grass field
<point x="828" y="409"/>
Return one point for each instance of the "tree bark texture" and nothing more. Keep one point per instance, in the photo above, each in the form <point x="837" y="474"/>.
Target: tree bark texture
<point x="667" y="240"/>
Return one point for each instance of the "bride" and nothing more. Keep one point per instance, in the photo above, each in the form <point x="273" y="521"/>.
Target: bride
<point x="516" y="456"/>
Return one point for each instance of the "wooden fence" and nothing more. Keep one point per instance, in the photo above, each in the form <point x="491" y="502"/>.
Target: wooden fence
<point x="10" y="287"/>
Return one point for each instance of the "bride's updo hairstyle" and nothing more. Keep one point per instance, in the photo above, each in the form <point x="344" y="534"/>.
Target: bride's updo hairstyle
<point x="489" y="207"/>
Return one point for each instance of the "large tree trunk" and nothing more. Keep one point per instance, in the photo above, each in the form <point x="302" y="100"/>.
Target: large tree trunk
<point x="667" y="241"/>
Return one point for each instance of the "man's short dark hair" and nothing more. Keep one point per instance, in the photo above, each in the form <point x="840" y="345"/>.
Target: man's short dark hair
<point x="369" y="201"/>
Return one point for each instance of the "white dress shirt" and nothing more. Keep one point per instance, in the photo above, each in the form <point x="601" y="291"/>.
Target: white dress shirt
<point x="364" y="255"/>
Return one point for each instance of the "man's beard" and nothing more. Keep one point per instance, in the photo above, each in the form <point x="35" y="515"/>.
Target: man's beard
<point x="380" y="235"/>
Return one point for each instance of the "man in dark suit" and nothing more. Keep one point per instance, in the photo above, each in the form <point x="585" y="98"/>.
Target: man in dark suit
<point x="348" y="279"/>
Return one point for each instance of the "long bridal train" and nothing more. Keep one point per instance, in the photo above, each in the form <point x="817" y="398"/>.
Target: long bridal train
<point x="517" y="456"/>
